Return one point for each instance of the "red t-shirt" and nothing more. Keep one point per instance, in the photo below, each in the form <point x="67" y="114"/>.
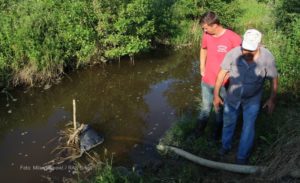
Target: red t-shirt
<point x="217" y="47"/>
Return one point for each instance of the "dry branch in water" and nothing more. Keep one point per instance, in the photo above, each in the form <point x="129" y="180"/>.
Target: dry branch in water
<point x="73" y="137"/>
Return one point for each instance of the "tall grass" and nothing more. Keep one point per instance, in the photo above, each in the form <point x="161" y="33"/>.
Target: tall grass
<point x="254" y="14"/>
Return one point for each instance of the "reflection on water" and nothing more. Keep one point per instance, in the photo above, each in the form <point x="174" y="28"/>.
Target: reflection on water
<point x="132" y="106"/>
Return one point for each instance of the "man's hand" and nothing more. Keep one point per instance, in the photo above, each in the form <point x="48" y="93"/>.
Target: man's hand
<point x="217" y="102"/>
<point x="202" y="71"/>
<point x="217" y="99"/>
<point x="270" y="104"/>
<point x="203" y="54"/>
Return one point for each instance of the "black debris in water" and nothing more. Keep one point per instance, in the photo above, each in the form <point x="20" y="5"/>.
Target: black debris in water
<point x="89" y="138"/>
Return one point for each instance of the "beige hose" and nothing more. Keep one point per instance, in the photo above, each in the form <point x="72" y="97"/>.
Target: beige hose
<point x="246" y="169"/>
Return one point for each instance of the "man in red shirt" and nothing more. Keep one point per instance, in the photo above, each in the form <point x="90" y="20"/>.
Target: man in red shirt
<point x="216" y="42"/>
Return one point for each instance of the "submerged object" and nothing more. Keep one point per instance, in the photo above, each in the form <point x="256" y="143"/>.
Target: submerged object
<point x="83" y="138"/>
<point x="89" y="138"/>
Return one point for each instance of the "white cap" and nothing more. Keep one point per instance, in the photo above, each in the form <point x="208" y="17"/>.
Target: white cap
<point x="252" y="38"/>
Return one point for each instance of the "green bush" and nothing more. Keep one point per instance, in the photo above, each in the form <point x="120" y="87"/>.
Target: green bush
<point x="40" y="38"/>
<point x="287" y="11"/>
<point x="129" y="31"/>
<point x="286" y="51"/>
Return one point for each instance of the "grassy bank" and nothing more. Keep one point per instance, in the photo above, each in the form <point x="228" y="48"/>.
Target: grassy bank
<point x="276" y="147"/>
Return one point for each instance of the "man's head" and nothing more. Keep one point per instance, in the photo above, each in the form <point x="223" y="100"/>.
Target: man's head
<point x="251" y="43"/>
<point x="251" y="40"/>
<point x="209" y="22"/>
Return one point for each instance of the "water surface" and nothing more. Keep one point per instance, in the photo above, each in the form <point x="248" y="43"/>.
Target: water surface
<point x="132" y="106"/>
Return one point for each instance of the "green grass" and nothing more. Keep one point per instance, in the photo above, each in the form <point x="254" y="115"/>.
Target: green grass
<point x="254" y="15"/>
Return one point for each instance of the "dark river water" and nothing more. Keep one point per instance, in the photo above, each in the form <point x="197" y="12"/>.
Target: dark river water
<point x="132" y="106"/>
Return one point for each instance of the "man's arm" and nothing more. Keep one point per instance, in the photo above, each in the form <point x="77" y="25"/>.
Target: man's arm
<point x="203" y="54"/>
<point x="270" y="103"/>
<point x="217" y="99"/>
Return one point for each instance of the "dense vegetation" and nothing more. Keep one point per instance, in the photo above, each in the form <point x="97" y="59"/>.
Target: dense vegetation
<point x="40" y="39"/>
<point x="286" y="37"/>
